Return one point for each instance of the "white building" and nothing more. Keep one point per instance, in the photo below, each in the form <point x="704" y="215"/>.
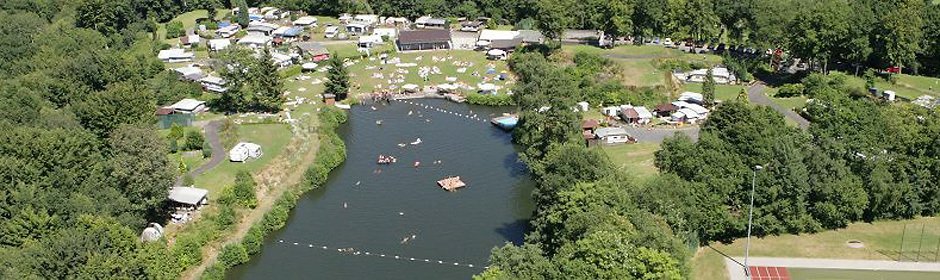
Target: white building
<point x="368" y="41"/>
<point x="385" y="31"/>
<point x="175" y="55"/>
<point x="331" y="31"/>
<point x="255" y="40"/>
<point x="190" y="73"/>
<point x="613" y="135"/>
<point x="306" y="21"/>
<point x="692" y="97"/>
<point x="219" y="44"/>
<point x="244" y="151"/>
<point x="367" y="19"/>
<point x="281" y="60"/>
<point x="213" y="84"/>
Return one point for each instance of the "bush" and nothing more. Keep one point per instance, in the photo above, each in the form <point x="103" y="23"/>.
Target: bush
<point x="226" y="217"/>
<point x="253" y="240"/>
<point x="173" y="146"/>
<point x="244" y="189"/>
<point x="227" y="197"/>
<point x="194" y="140"/>
<point x="188" y="180"/>
<point x="175" y="29"/>
<point x="206" y="150"/>
<point x="214" y="272"/>
<point x="490" y="99"/>
<point x="232" y="255"/>
<point x="790" y="90"/>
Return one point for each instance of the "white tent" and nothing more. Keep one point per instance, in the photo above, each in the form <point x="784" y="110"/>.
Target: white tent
<point x="281" y="60"/>
<point x="693" y="97"/>
<point x="383" y="31"/>
<point x="309" y="66"/>
<point x="701" y="111"/>
<point x="244" y="151"/>
<point x="643" y="113"/>
<point x="494" y="35"/>
<point x="496" y="52"/>
<point x="487" y="88"/>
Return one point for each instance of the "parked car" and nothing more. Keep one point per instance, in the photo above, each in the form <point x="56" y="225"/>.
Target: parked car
<point x="667" y="42"/>
<point x="331" y="31"/>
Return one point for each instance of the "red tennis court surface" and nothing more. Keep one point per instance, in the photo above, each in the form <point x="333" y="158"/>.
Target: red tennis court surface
<point x="769" y="273"/>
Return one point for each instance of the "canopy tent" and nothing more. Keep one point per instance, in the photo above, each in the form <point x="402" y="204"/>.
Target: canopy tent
<point x="496" y="52"/>
<point x="309" y="66"/>
<point x="188" y="195"/>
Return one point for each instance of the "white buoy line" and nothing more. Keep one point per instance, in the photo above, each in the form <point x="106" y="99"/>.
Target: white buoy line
<point x="356" y="252"/>
<point x="473" y="117"/>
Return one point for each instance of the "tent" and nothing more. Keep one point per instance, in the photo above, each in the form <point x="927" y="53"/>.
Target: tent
<point x="309" y="66"/>
<point x="409" y="87"/>
<point x="496" y="54"/>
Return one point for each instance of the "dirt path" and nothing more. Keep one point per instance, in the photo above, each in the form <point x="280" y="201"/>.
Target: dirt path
<point x="283" y="173"/>
<point x="218" y="152"/>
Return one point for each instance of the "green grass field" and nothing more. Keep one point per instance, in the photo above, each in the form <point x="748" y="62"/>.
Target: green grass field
<point x="722" y="92"/>
<point x="271" y="137"/>
<point x="639" y="61"/>
<point x="882" y="241"/>
<point x="634" y="159"/>
<point x="852" y="274"/>
<point x="907" y="86"/>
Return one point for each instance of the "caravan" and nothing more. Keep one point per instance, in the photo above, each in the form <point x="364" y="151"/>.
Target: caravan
<point x="244" y="151"/>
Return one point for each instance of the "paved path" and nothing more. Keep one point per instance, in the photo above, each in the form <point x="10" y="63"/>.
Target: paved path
<point x="657" y="135"/>
<point x="218" y="153"/>
<point x="736" y="271"/>
<point x="756" y="94"/>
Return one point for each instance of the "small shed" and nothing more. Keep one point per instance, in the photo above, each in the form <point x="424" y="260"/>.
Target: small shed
<point x="189" y="73"/>
<point x="590" y="125"/>
<point x="531" y="36"/>
<point x="305" y="21"/>
<point x="255" y="40"/>
<point x="244" y="151"/>
<point x="189" y="196"/>
<point x="367" y="41"/>
<point x="692" y="97"/>
<point x="213" y="84"/>
<point x="175" y="55"/>
<point x="219" y="44"/>
<point x="430" y="39"/>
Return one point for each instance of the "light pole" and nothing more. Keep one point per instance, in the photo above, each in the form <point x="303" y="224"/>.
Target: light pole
<point x="750" y="219"/>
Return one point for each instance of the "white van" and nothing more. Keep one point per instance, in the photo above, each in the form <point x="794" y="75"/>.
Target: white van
<point x="331" y="31"/>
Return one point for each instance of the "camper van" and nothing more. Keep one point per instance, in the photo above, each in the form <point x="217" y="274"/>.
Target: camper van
<point x="331" y="31"/>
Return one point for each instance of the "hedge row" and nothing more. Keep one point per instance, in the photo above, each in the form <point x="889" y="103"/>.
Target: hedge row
<point x="490" y="99"/>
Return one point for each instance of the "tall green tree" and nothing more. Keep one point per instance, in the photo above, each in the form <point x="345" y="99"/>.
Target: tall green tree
<point x="708" y="87"/>
<point x="701" y="20"/>
<point x="552" y="18"/>
<point x="901" y="32"/>
<point x="242" y="17"/>
<point x="337" y="82"/>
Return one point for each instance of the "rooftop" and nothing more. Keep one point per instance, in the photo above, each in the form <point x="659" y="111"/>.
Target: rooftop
<point x="424" y="36"/>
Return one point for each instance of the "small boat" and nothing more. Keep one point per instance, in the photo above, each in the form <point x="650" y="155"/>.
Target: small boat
<point x="402" y="144"/>
<point x="373" y="108"/>
<point x="416" y="142"/>
<point x="410" y="112"/>
<point x="378" y="122"/>
<point x="417" y="163"/>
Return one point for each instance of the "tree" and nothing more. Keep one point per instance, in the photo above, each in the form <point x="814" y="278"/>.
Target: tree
<point x="194" y="140"/>
<point x="105" y="16"/>
<point x="901" y="31"/>
<point x="708" y="87"/>
<point x="265" y="84"/>
<point x="552" y="18"/>
<point x="338" y="79"/>
<point x="175" y="29"/>
<point x="242" y="17"/>
<point x="140" y="168"/>
<point x="253" y="85"/>
<point x="125" y="103"/>
<point x="701" y="20"/>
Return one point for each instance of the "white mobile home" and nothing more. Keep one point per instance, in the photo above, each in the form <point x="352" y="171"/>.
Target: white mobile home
<point x="228" y="31"/>
<point x="306" y="21"/>
<point x="175" y="55"/>
<point x="613" y="135"/>
<point x="244" y="151"/>
<point x="213" y="84"/>
<point x="255" y="40"/>
<point x="219" y="44"/>
<point x="189" y="106"/>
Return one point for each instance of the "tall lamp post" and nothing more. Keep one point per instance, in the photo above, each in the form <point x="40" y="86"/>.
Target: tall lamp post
<point x="750" y="219"/>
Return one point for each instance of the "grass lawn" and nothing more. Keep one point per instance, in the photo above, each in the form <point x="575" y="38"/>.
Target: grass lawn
<point x="638" y="62"/>
<point x="192" y="159"/>
<point x="790" y="102"/>
<point x="722" y="92"/>
<point x="271" y="137"/>
<point x="362" y="71"/>
<point x="907" y="86"/>
<point x="882" y="241"/>
<point x="189" y="21"/>
<point x="852" y="274"/>
<point x="634" y="159"/>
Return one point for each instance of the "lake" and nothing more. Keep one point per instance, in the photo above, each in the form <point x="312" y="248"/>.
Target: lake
<point x="366" y="210"/>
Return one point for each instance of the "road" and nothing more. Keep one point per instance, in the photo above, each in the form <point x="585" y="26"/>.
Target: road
<point x="736" y="272"/>
<point x="218" y="153"/>
<point x="756" y="94"/>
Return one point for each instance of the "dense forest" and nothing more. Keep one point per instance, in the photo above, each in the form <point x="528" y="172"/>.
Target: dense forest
<point x="82" y="166"/>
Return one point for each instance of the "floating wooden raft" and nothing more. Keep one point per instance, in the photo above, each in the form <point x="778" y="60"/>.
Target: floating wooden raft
<point x="451" y="183"/>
